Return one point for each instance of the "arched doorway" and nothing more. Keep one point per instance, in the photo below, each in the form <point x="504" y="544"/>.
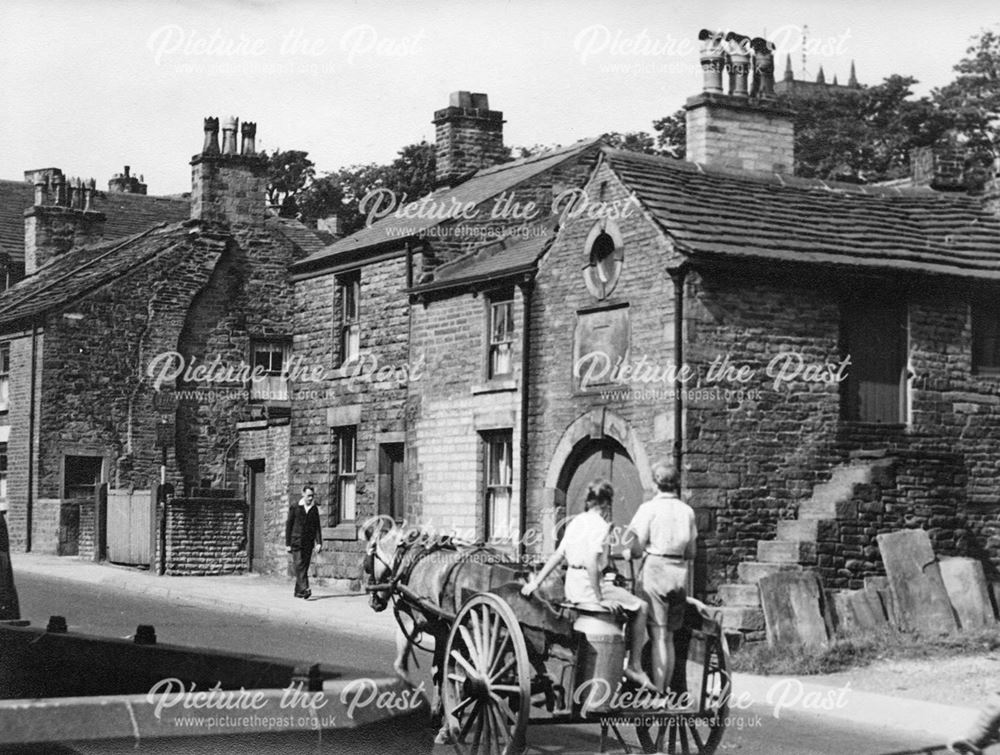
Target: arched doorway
<point x="602" y="457"/>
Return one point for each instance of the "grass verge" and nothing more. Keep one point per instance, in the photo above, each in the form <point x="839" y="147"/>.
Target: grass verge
<point x="847" y="652"/>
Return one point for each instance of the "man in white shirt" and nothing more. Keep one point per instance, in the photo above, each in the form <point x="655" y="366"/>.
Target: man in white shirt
<point x="664" y="534"/>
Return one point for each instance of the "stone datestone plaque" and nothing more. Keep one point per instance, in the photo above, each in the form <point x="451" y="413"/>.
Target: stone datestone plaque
<point x="920" y="597"/>
<point x="965" y="581"/>
<point x="600" y="346"/>
<point x="793" y="609"/>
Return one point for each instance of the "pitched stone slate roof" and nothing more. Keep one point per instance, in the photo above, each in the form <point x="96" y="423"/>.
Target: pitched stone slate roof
<point x="719" y="214"/>
<point x="484" y="185"/>
<point x="127" y="214"/>
<point x="516" y="253"/>
<point x="76" y="273"/>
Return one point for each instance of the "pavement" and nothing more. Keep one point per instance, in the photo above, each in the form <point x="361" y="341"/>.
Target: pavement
<point x="251" y="594"/>
<point x="852" y="697"/>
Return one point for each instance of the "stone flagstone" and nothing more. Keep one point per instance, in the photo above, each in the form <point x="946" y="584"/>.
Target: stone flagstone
<point x="793" y="609"/>
<point x="921" y="600"/>
<point x="965" y="582"/>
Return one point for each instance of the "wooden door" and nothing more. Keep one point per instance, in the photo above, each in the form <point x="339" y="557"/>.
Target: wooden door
<point x="258" y="503"/>
<point x="608" y="459"/>
<point x="875" y="338"/>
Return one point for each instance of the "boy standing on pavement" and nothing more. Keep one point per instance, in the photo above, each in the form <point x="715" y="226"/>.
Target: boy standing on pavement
<point x="302" y="533"/>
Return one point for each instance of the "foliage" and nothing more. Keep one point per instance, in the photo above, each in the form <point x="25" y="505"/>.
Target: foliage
<point x="633" y="141"/>
<point x="972" y="100"/>
<point x="288" y="173"/>
<point x="863" y="135"/>
<point x="672" y="134"/>
<point x="410" y="175"/>
<point x="847" y="652"/>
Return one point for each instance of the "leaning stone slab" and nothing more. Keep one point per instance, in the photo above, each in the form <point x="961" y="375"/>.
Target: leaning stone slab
<point x="880" y="586"/>
<point x="793" y="609"/>
<point x="859" y="611"/>
<point x="919" y="594"/>
<point x="867" y="609"/>
<point x="968" y="591"/>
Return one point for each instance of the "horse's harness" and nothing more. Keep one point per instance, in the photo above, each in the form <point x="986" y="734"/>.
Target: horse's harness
<point x="408" y="554"/>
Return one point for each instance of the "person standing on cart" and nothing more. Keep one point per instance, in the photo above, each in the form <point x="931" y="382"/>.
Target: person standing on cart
<point x="584" y="546"/>
<point x="664" y="534"/>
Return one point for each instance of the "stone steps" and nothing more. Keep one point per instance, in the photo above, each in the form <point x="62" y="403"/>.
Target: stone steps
<point x="798" y="529"/>
<point x="786" y="551"/>
<point x="751" y="572"/>
<point x="741" y="618"/>
<point x="739" y="595"/>
<point x="795" y="545"/>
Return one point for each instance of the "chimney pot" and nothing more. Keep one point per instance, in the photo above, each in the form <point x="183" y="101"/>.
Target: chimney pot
<point x="126" y="171"/>
<point x="229" y="128"/>
<point x="713" y="59"/>
<point x="249" y="133"/>
<point x="211" y="146"/>
<point x="738" y="50"/>
<point x="763" y="68"/>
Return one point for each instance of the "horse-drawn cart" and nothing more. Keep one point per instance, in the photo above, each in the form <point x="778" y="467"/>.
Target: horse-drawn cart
<point x="502" y="660"/>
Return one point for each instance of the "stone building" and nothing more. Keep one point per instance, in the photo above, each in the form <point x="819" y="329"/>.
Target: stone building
<point x="128" y="346"/>
<point x="355" y="431"/>
<point x="819" y="359"/>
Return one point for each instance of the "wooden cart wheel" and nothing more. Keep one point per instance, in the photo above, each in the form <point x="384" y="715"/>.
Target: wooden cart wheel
<point x="486" y="687"/>
<point x="699" y="731"/>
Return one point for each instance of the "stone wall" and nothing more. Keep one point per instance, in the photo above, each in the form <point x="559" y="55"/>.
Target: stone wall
<point x="18" y="418"/>
<point x="375" y="386"/>
<point x="270" y="443"/>
<point x="754" y="460"/>
<point x="451" y="406"/>
<point x="637" y="413"/>
<point x="206" y="536"/>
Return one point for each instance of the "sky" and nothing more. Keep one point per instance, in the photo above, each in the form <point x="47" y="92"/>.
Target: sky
<point x="93" y="85"/>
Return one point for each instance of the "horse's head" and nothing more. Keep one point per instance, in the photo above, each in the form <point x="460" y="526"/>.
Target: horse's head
<point x="380" y="554"/>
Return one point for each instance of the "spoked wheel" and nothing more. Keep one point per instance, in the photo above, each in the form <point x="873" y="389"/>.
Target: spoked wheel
<point x="698" y="731"/>
<point x="487" y="679"/>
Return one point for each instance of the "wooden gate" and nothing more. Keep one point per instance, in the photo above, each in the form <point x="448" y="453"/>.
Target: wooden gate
<point x="131" y="526"/>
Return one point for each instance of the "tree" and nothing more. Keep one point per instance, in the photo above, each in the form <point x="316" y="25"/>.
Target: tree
<point x="863" y="135"/>
<point x="633" y="141"/>
<point x="972" y="100"/>
<point x="410" y="176"/>
<point x="288" y="173"/>
<point x="672" y="134"/>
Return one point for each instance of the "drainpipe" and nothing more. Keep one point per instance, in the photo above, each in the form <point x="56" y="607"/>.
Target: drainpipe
<point x="29" y="509"/>
<point x="526" y="290"/>
<point x="409" y="264"/>
<point x="678" y="276"/>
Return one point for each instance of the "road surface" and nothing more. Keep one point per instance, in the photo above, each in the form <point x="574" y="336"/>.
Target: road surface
<point x="99" y="610"/>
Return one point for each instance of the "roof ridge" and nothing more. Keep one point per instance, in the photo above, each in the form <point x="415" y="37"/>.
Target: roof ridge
<point x="543" y="155"/>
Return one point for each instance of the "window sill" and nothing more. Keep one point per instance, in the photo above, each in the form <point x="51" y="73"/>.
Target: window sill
<point x="343" y="531"/>
<point x="986" y="372"/>
<point x="495" y="386"/>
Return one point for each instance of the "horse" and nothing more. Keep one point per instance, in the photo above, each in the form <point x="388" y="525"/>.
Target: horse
<point x="426" y="577"/>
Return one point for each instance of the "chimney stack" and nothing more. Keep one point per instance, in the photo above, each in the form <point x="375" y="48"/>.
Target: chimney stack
<point x="228" y="185"/>
<point x="469" y="137"/>
<point x="60" y="219"/>
<point x="126" y="183"/>
<point x="739" y="130"/>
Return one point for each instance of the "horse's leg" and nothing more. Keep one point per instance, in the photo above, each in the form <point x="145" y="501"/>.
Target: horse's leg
<point x="404" y="647"/>
<point x="438" y="717"/>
